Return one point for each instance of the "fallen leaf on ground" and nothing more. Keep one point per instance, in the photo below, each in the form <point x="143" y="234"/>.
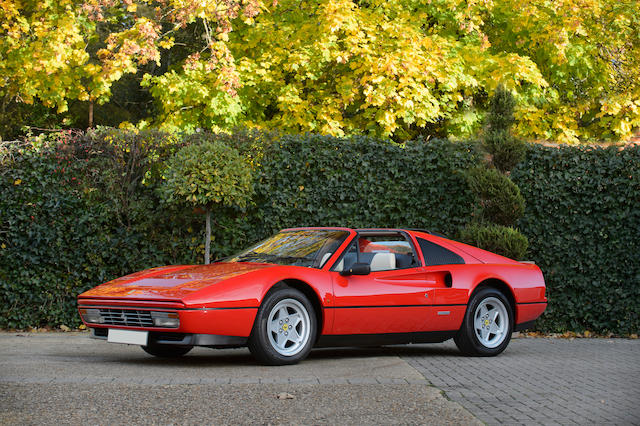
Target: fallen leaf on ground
<point x="285" y="395"/>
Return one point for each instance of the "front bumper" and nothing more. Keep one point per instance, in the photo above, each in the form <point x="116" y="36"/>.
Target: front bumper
<point x="136" y="315"/>
<point x="183" y="339"/>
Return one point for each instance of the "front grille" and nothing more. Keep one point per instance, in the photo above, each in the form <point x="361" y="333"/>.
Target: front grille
<point x="126" y="317"/>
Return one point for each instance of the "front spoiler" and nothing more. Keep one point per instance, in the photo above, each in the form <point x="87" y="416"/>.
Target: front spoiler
<point x="183" y="339"/>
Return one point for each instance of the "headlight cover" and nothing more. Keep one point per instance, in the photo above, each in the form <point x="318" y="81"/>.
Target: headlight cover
<point x="92" y="316"/>
<point x="165" y="319"/>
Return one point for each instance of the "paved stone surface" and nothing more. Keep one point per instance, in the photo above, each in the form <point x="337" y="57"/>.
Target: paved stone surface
<point x="67" y="378"/>
<point x="226" y="404"/>
<point x="75" y="358"/>
<point x="539" y="380"/>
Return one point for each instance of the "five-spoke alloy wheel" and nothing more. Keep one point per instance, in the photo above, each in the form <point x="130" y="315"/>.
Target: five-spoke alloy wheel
<point x="491" y="322"/>
<point x="288" y="327"/>
<point x="487" y="325"/>
<point x="285" y="328"/>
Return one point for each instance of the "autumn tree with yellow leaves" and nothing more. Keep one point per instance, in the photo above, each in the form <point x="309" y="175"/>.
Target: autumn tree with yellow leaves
<point x="389" y="68"/>
<point x="56" y="51"/>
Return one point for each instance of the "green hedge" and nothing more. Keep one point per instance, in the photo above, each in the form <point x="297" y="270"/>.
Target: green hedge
<point x="319" y="180"/>
<point x="62" y="232"/>
<point x="74" y="213"/>
<point x="583" y="224"/>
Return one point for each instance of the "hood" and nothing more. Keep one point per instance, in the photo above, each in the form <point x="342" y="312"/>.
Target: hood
<point x="170" y="282"/>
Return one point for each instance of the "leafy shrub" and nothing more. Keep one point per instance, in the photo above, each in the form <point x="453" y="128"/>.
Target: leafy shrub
<point x="207" y="174"/>
<point x="499" y="198"/>
<point x="500" y="115"/>
<point x="506" y="150"/>
<point x="502" y="240"/>
<point x="210" y="175"/>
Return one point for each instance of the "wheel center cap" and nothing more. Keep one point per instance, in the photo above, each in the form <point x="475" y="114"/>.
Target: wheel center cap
<point x="486" y="322"/>
<point x="285" y="327"/>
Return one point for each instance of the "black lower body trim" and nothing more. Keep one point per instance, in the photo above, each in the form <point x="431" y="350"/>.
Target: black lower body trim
<point x="218" y="341"/>
<point x="184" y="339"/>
<point x="524" y="325"/>
<point x="334" y="340"/>
<point x="99" y="333"/>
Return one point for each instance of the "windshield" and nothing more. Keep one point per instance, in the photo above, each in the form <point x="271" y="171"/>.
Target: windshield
<point x="308" y="247"/>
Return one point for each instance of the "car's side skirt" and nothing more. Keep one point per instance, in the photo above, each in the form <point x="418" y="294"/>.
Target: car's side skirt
<point x="335" y="340"/>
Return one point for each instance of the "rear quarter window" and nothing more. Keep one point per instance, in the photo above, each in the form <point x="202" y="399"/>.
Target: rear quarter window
<point x="435" y="254"/>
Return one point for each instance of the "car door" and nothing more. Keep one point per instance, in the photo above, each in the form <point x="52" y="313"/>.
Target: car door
<point x="449" y="302"/>
<point x="395" y="299"/>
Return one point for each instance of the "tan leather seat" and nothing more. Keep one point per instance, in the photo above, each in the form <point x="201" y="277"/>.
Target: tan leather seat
<point x="383" y="262"/>
<point x="324" y="259"/>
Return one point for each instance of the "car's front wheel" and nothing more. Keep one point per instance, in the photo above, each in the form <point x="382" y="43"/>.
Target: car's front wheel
<point x="166" y="351"/>
<point x="487" y="325"/>
<point x="285" y="328"/>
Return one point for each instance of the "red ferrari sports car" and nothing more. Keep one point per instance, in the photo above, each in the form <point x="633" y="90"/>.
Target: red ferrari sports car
<point x="311" y="287"/>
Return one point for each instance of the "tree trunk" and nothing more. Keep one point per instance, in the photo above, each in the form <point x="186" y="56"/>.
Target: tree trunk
<point x="90" y="114"/>
<point x="207" y="238"/>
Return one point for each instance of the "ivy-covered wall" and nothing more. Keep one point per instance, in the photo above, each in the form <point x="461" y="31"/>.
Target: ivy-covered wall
<point x="84" y="208"/>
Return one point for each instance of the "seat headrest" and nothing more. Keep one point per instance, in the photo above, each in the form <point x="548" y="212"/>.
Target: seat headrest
<point x="324" y="259"/>
<point x="383" y="262"/>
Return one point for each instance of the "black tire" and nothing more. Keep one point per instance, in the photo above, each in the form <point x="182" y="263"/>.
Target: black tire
<point x="263" y="343"/>
<point x="471" y="342"/>
<point x="166" y="351"/>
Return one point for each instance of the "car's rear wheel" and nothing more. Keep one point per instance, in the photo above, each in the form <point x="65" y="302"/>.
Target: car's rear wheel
<point x="166" y="351"/>
<point x="487" y="325"/>
<point x="285" y="328"/>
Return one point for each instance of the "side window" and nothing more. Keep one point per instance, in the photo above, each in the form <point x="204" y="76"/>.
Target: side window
<point x="348" y="259"/>
<point x="383" y="252"/>
<point x="438" y="255"/>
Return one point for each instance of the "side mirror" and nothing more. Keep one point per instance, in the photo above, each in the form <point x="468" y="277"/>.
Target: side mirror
<point x="357" y="269"/>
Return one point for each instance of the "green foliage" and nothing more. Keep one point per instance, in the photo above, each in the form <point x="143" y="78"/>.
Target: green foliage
<point x="502" y="240"/>
<point x="583" y="224"/>
<point x="314" y="180"/>
<point x="81" y="209"/>
<point x="78" y="210"/>
<point x="386" y="68"/>
<point x="501" y="107"/>
<point x="499" y="198"/>
<point x="207" y="174"/>
<point x="17" y="115"/>
<point x="506" y="150"/>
